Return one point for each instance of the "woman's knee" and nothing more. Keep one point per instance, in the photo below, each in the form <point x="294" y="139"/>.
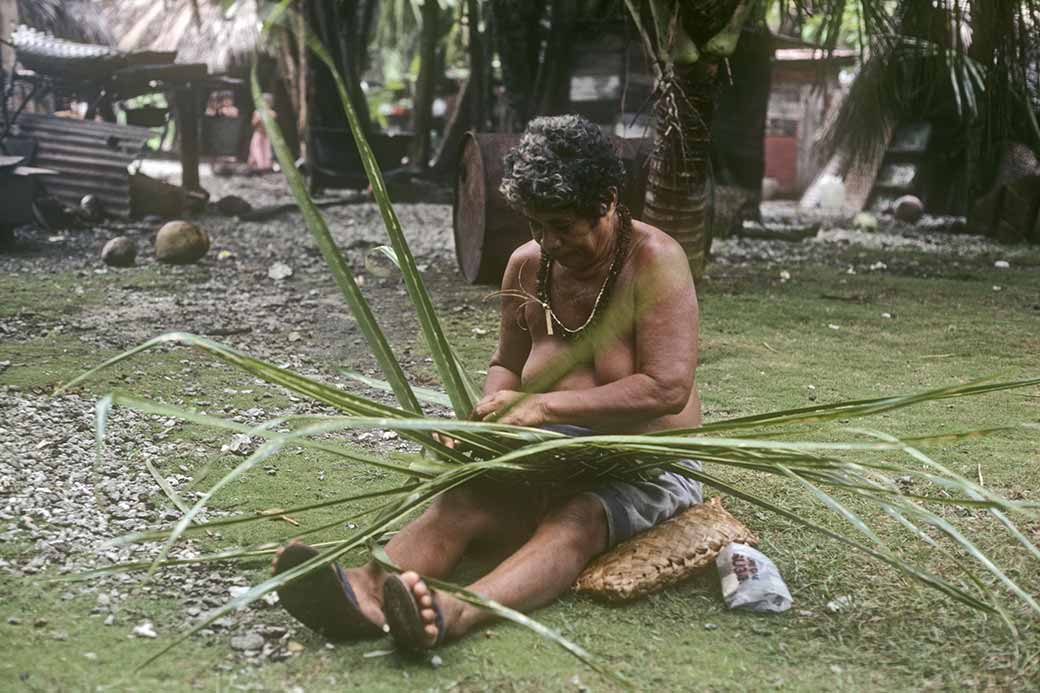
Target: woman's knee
<point x="464" y="509"/>
<point x="582" y="522"/>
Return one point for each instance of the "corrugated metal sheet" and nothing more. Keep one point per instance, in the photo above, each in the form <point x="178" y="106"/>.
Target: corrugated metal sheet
<point x="90" y="157"/>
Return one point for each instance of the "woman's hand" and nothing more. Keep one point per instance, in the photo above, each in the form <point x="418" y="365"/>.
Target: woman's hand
<point x="446" y="441"/>
<point x="523" y="409"/>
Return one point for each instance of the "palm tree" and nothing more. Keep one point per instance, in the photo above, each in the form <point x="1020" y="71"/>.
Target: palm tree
<point x="970" y="65"/>
<point x="687" y="42"/>
<point x="980" y="56"/>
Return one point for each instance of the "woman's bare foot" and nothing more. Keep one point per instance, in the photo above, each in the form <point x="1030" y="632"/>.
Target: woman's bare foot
<point x="426" y="604"/>
<point x="341" y="604"/>
<point x="367" y="582"/>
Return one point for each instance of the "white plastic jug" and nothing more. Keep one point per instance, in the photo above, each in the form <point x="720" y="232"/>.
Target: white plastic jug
<point x="832" y="194"/>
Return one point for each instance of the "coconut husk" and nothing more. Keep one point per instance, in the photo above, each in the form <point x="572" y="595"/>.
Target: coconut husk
<point x="664" y="555"/>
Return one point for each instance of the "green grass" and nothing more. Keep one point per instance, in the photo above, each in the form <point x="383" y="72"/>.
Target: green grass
<point x="51" y="296"/>
<point x="763" y="343"/>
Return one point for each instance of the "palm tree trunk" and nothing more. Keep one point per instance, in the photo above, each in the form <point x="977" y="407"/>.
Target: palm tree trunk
<point x="551" y="92"/>
<point x="738" y="140"/>
<point x="478" y="70"/>
<point x="424" y="84"/>
<point x="366" y="26"/>
<point x="689" y="39"/>
<point x="678" y="199"/>
<point x="518" y="39"/>
<point x="335" y="25"/>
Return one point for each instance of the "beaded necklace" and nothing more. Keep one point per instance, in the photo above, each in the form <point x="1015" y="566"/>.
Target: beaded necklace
<point x="545" y="282"/>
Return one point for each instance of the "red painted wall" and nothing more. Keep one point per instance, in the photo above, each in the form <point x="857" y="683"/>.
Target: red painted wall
<point x="782" y="162"/>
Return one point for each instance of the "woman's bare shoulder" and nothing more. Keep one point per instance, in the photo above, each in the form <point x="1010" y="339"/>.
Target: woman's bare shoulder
<point x="651" y="245"/>
<point x="523" y="265"/>
<point x="528" y="251"/>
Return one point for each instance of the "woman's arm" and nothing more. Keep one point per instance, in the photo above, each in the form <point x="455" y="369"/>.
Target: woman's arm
<point x="665" y="334"/>
<point x="514" y="341"/>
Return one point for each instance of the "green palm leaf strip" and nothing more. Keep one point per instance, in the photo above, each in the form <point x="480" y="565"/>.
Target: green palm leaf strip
<point x="924" y="515"/>
<point x="302" y="385"/>
<point x="421" y="467"/>
<point x="160" y="534"/>
<point x="454" y="379"/>
<point x="422" y="393"/>
<point x="174" y="497"/>
<point x="266" y="450"/>
<point x="856" y="408"/>
<point x="977" y="492"/>
<point x="456" y="382"/>
<point x="947" y="477"/>
<point x="333" y="257"/>
<point x="778" y="457"/>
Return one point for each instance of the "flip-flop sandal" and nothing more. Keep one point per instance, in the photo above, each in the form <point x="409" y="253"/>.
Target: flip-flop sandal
<point x="404" y="618"/>
<point x="323" y="601"/>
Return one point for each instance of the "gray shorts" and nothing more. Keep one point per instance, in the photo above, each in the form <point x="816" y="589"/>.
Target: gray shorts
<point x="634" y="507"/>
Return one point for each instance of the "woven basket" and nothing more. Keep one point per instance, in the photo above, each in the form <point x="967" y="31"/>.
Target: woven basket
<point x="665" y="554"/>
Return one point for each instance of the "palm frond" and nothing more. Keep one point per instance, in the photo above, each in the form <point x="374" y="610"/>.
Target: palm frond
<point x="923" y="58"/>
<point x="455" y="379"/>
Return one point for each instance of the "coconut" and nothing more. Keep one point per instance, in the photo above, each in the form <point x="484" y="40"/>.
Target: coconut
<point x="119" y="252"/>
<point x="909" y="209"/>
<point x="180" y="243"/>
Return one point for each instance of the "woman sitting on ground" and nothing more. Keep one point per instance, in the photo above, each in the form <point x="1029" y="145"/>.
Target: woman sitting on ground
<point x="588" y="257"/>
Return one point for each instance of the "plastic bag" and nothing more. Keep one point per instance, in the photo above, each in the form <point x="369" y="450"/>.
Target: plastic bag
<point x="751" y="581"/>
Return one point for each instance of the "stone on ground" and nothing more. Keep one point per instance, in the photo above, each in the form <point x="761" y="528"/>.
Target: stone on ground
<point x="119" y="252"/>
<point x="865" y="221"/>
<point x="247" y="641"/>
<point x="92" y="208"/>
<point x="233" y="206"/>
<point x="180" y="243"/>
<point x="909" y="209"/>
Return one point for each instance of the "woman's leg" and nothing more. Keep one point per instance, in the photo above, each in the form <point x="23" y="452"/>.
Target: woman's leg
<point x="542" y="569"/>
<point x="436" y="541"/>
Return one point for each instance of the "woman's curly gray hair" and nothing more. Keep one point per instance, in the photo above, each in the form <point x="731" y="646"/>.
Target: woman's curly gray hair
<point x="562" y="162"/>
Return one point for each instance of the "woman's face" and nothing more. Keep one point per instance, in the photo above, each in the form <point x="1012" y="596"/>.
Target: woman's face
<point x="571" y="239"/>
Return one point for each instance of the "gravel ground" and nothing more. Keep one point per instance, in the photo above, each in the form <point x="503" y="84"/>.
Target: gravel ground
<point x="60" y="506"/>
<point x="934" y="237"/>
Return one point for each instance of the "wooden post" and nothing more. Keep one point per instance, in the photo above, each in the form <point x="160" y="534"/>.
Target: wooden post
<point x="186" y="103"/>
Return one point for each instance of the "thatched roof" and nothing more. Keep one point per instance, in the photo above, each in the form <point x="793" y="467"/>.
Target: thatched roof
<point x="74" y="20"/>
<point x="223" y="39"/>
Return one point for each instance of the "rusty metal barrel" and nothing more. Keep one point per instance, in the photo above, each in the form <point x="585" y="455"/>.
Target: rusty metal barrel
<point x="487" y="230"/>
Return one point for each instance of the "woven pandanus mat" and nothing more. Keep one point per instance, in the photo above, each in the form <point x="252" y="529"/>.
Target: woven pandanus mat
<point x="665" y="554"/>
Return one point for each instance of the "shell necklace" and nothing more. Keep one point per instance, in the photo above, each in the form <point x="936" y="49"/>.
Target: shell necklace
<point x="602" y="298"/>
